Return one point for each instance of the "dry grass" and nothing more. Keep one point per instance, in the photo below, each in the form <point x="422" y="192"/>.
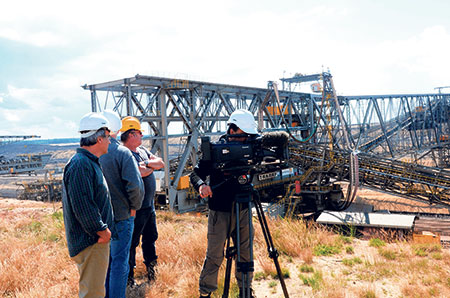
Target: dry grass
<point x="33" y="257"/>
<point x="34" y="261"/>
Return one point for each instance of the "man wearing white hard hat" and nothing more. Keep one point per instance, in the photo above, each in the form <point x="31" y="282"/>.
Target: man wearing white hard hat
<point x="87" y="209"/>
<point x="127" y="190"/>
<point x="242" y="124"/>
<point x="115" y="123"/>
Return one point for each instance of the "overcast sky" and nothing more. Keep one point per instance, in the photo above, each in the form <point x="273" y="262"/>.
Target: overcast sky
<point x="48" y="49"/>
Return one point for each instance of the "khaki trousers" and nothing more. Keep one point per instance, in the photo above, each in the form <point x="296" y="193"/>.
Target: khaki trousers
<point x="92" y="265"/>
<point x="218" y="225"/>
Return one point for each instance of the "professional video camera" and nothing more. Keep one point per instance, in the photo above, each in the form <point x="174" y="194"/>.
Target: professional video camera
<point x="258" y="154"/>
<point x="265" y="155"/>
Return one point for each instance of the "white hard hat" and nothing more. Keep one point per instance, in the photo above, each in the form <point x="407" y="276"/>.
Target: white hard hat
<point x="115" y="124"/>
<point x="91" y="122"/>
<point x="244" y="120"/>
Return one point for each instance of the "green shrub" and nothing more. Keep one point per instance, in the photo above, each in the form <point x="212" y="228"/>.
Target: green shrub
<point x="388" y="254"/>
<point x="284" y="272"/>
<point x="437" y="256"/>
<point x="375" y="242"/>
<point x="260" y="275"/>
<point x="368" y="294"/>
<point x="352" y="261"/>
<point x="306" y="268"/>
<point x="313" y="281"/>
<point x="326" y="250"/>
<point x="345" y="239"/>
<point x="58" y="215"/>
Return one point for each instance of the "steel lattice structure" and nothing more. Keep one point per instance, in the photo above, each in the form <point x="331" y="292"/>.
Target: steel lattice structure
<point x="388" y="125"/>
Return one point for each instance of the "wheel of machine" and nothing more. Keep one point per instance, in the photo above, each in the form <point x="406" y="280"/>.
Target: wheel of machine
<point x="20" y="192"/>
<point x="335" y="199"/>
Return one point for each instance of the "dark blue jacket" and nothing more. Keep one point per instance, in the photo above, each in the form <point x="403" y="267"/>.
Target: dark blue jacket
<point x="86" y="201"/>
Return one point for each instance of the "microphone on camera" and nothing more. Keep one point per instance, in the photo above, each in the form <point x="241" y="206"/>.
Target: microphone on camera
<point x="275" y="138"/>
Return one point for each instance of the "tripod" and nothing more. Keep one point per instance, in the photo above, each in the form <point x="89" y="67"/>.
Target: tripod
<point x="242" y="200"/>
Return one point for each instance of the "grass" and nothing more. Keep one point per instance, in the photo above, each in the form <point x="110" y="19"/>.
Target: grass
<point x="423" y="250"/>
<point x="284" y="272"/>
<point x="388" y="253"/>
<point x="367" y="292"/>
<point x="305" y="268"/>
<point x="326" y="250"/>
<point x="33" y="256"/>
<point x="352" y="261"/>
<point x="314" y="281"/>
<point x="376" y="242"/>
<point x="349" y="249"/>
<point x="315" y="262"/>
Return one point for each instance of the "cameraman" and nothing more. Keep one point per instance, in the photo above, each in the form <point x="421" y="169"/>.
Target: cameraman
<point x="221" y="198"/>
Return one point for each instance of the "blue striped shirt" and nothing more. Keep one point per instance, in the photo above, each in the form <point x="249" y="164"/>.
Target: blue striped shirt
<point x="86" y="201"/>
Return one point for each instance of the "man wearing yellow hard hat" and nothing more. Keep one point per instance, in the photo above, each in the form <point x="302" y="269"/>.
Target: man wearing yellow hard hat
<point x="145" y="221"/>
<point x="126" y="187"/>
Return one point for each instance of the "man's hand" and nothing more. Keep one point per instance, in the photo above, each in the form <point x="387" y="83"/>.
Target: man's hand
<point x="205" y="191"/>
<point x="104" y="236"/>
<point x="133" y="212"/>
<point x="144" y="170"/>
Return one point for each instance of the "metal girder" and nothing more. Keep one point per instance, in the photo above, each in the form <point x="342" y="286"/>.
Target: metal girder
<point x="172" y="107"/>
<point x="382" y="124"/>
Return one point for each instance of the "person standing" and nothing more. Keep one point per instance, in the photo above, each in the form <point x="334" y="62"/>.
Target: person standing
<point x="87" y="210"/>
<point x="242" y="124"/>
<point x="145" y="221"/>
<point x="126" y="187"/>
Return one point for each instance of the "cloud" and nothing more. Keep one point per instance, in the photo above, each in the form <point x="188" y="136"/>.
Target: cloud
<point x="415" y="64"/>
<point x="230" y="42"/>
<point x="21" y="93"/>
<point x="11" y="116"/>
<point x="39" y="39"/>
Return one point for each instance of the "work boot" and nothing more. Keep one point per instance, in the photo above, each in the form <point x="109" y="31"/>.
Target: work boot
<point x="151" y="270"/>
<point x="131" y="282"/>
<point x="243" y="294"/>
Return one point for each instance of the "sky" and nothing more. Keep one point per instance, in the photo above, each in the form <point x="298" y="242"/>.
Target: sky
<point x="49" y="49"/>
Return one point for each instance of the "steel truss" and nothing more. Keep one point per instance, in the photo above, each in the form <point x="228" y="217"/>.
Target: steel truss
<point x="382" y="124"/>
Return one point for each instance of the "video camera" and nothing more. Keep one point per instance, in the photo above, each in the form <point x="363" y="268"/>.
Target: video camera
<point x="258" y="154"/>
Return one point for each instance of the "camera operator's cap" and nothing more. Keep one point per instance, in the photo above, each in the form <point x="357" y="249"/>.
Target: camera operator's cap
<point x="130" y="122"/>
<point x="244" y="120"/>
<point x="114" y="120"/>
<point x="91" y="122"/>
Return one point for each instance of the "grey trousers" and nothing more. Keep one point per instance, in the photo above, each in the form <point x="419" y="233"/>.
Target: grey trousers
<point x="218" y="224"/>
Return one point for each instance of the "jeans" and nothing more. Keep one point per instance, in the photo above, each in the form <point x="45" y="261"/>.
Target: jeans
<point x="145" y="225"/>
<point x="116" y="281"/>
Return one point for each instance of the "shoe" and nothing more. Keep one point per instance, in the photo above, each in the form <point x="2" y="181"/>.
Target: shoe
<point x="151" y="270"/>
<point x="242" y="294"/>
<point x="205" y="295"/>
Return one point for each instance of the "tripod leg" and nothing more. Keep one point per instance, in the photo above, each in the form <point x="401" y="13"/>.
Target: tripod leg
<point x="244" y="234"/>
<point x="245" y="264"/>
<point x="229" y="254"/>
<point x="273" y="253"/>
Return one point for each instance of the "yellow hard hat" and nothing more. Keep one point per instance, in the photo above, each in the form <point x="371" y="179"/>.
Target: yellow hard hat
<point x="130" y="123"/>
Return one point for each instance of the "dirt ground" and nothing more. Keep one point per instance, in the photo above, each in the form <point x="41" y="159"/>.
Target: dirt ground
<point x="382" y="201"/>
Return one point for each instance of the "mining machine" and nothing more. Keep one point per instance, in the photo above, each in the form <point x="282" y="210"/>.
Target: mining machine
<point x="393" y="143"/>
